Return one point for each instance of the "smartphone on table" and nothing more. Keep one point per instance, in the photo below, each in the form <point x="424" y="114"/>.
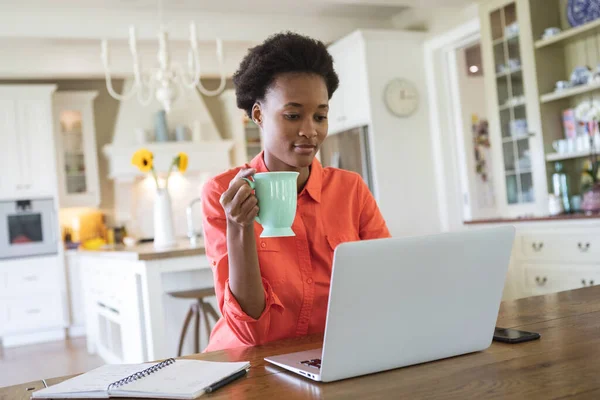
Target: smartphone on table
<point x="507" y="335"/>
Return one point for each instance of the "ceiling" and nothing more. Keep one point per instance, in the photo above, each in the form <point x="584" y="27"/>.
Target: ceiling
<point x="378" y="9"/>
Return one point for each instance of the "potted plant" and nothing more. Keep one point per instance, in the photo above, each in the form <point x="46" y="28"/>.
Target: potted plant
<point x="589" y="113"/>
<point x="164" y="232"/>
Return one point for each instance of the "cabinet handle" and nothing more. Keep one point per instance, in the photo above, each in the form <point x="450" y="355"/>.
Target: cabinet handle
<point x="30" y="278"/>
<point x="19" y="187"/>
<point x="592" y="283"/>
<point x="541" y="281"/>
<point x="33" y="311"/>
<point x="537" y="247"/>
<point x="583" y="248"/>
<point x="583" y="282"/>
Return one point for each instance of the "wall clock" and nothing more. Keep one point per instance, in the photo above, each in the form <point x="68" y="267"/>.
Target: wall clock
<point x="401" y="97"/>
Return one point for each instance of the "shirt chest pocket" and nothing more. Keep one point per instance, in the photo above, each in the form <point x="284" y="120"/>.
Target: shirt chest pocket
<point x="272" y="260"/>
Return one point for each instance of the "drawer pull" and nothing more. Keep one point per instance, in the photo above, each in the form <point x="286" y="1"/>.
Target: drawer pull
<point x="30" y="278"/>
<point x="33" y="311"/>
<point x="583" y="247"/>
<point x="590" y="283"/>
<point x="537" y="247"/>
<point x="541" y="281"/>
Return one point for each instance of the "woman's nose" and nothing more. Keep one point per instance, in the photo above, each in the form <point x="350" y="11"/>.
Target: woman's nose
<point x="308" y="129"/>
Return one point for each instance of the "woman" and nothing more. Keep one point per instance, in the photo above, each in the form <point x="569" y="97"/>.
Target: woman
<point x="276" y="288"/>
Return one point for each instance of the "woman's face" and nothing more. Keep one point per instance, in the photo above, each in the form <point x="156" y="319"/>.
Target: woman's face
<point x="293" y="119"/>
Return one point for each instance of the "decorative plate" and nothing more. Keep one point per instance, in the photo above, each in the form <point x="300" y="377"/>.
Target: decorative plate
<point x="581" y="12"/>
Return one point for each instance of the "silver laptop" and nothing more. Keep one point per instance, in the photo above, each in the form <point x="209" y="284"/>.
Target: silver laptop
<point x="404" y="301"/>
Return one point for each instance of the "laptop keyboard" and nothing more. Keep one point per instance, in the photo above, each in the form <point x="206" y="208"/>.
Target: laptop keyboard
<point x="316" y="363"/>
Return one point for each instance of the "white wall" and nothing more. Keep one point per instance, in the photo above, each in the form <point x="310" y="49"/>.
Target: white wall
<point x="402" y="146"/>
<point x="473" y="102"/>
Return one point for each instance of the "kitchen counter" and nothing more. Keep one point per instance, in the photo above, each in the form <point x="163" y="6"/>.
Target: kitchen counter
<point x="558" y="218"/>
<point x="147" y="252"/>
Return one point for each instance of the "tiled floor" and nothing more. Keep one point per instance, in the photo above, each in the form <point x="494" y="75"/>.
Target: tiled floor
<point x="46" y="360"/>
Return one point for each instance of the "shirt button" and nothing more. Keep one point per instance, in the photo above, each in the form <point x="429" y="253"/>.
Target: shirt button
<point x="263" y="244"/>
<point x="309" y="281"/>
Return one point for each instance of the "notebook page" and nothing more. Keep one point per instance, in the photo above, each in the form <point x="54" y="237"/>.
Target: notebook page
<point x="183" y="379"/>
<point x="92" y="384"/>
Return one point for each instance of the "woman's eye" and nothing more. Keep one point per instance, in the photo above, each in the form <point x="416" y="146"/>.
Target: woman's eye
<point x="321" y="118"/>
<point x="292" y="117"/>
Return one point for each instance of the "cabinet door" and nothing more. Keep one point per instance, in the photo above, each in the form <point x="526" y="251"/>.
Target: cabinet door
<point x="515" y="132"/>
<point x="10" y="163"/>
<point x="349" y="106"/>
<point x="356" y="91"/>
<point x="75" y="139"/>
<point x="35" y="148"/>
<point x="336" y="116"/>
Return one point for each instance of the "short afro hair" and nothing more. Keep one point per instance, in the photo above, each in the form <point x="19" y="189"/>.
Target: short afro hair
<point x="281" y="53"/>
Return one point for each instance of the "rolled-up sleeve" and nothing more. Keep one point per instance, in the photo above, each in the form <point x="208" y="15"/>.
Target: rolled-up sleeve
<point x="246" y="329"/>
<point x="372" y="224"/>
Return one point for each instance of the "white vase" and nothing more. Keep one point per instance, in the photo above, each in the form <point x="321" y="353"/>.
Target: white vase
<point x="164" y="232"/>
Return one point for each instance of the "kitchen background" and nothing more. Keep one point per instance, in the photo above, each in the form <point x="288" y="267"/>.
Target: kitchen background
<point x="454" y="113"/>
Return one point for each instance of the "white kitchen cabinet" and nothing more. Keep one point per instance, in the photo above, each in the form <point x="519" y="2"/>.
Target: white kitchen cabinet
<point x="26" y="143"/>
<point x="76" y="152"/>
<point x="75" y="294"/>
<point x="31" y="298"/>
<point x="550" y="257"/>
<point x="515" y="125"/>
<point x="349" y="106"/>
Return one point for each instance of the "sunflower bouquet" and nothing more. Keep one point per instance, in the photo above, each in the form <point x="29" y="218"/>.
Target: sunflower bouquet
<point x="144" y="160"/>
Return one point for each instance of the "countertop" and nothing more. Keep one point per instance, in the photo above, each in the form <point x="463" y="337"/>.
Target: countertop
<point x="147" y="252"/>
<point x="558" y="218"/>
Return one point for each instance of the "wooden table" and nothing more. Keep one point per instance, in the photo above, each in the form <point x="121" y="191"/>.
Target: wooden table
<point x="564" y="363"/>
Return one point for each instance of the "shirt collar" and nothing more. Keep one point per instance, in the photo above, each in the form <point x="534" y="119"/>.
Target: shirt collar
<point x="315" y="180"/>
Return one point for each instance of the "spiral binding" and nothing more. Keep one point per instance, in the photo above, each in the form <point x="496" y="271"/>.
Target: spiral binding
<point x="141" y="374"/>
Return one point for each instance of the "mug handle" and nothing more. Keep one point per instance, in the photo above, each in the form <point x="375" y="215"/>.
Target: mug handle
<point x="253" y="187"/>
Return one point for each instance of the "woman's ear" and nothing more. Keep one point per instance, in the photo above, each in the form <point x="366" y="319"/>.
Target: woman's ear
<point x="257" y="114"/>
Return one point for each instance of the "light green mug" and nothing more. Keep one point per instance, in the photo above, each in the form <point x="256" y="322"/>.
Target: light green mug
<point x="277" y="194"/>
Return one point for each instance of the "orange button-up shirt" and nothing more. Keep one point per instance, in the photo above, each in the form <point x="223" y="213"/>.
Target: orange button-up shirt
<point x="335" y="206"/>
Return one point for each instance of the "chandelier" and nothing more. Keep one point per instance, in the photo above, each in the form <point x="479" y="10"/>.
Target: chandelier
<point x="166" y="81"/>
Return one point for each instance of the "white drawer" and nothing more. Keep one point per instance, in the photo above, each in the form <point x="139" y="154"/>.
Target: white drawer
<point x="543" y="280"/>
<point x="31" y="279"/>
<point x="561" y="247"/>
<point x="34" y="313"/>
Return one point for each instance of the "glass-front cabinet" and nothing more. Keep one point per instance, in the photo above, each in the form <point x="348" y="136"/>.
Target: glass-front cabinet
<point x="512" y="104"/>
<point x="75" y="136"/>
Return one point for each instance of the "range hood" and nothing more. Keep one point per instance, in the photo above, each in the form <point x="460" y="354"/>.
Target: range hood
<point x="209" y="155"/>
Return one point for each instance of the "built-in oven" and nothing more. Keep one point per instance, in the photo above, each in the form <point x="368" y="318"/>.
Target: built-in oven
<point x="28" y="228"/>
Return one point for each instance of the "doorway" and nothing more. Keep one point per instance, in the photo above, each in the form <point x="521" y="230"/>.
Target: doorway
<point x="459" y="129"/>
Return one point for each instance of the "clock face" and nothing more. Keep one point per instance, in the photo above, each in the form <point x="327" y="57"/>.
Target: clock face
<point x="401" y="97"/>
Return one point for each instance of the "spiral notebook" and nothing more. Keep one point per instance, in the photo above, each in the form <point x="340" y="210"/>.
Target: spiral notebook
<point x="170" y="379"/>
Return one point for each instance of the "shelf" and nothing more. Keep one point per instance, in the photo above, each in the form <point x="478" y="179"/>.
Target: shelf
<point x="569" y="35"/>
<point x="522" y="171"/>
<point x="509" y="106"/>
<point x="567" y="156"/>
<point x="505" y="39"/>
<point x="506" y="73"/>
<point x="515" y="138"/>
<point x="566" y="93"/>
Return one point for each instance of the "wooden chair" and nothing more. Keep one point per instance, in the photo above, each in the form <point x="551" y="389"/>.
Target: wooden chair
<point x="200" y="309"/>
